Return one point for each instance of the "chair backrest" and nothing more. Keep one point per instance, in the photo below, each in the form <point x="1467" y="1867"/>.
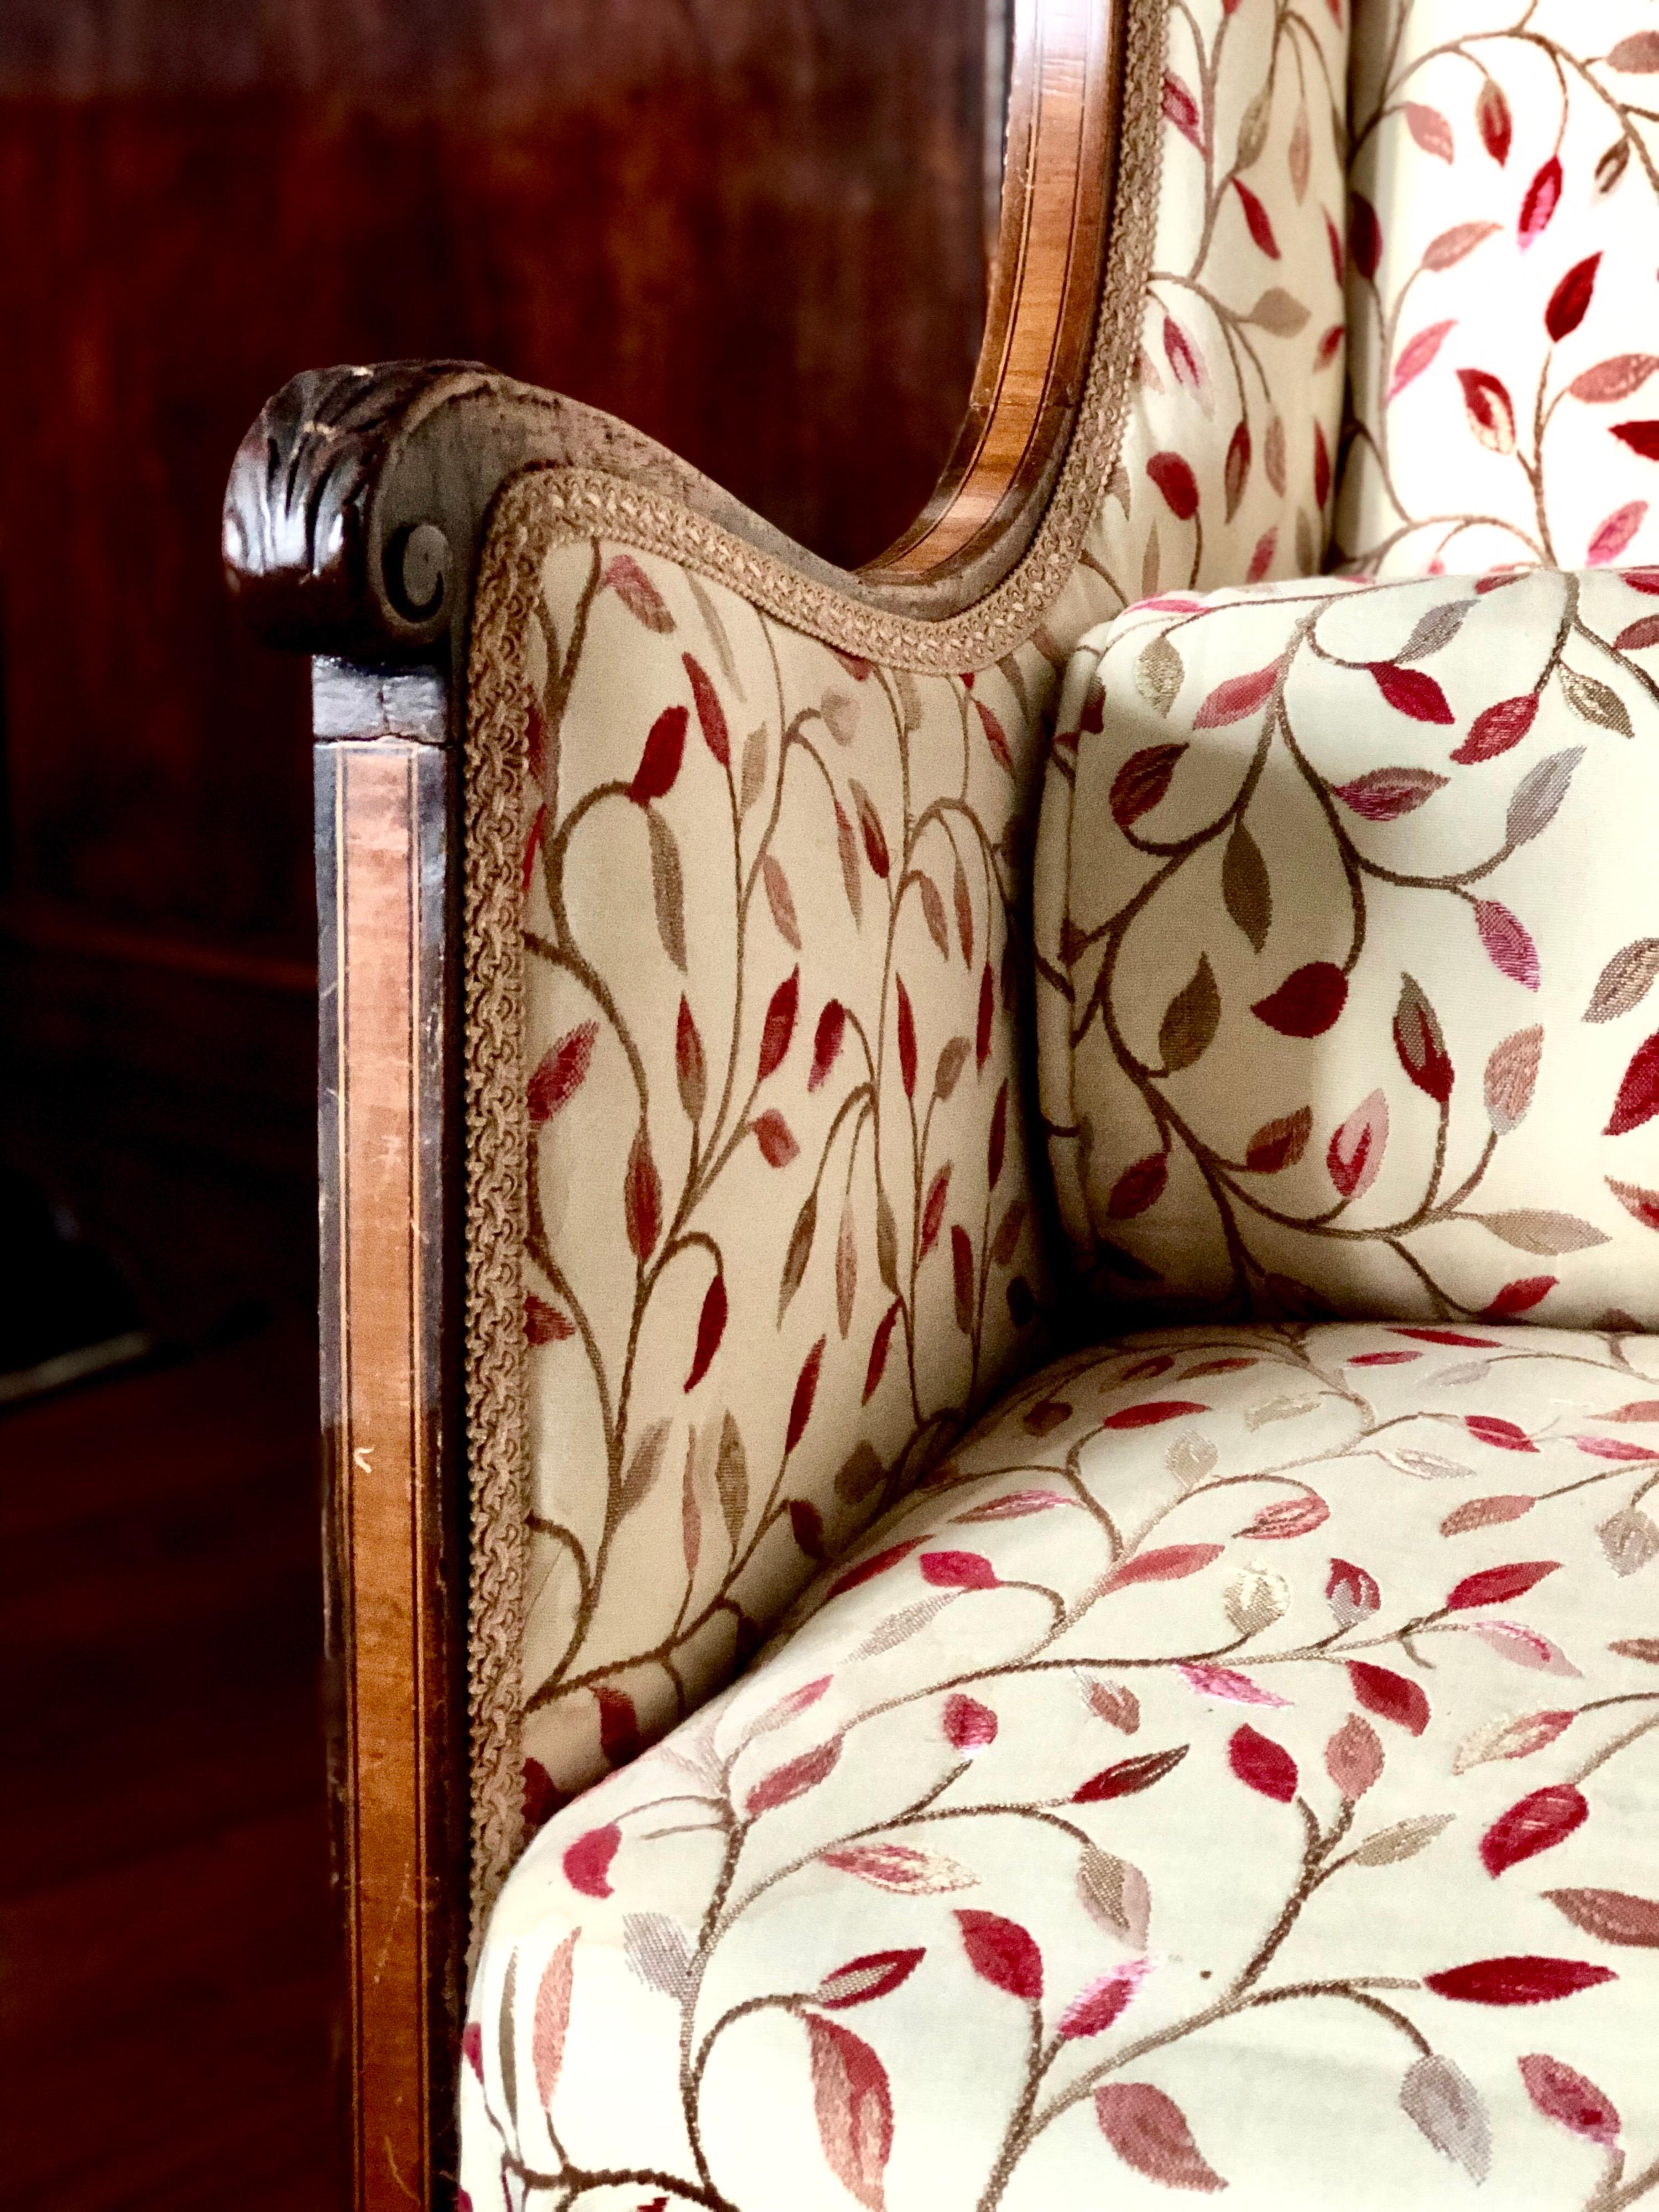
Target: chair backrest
<point x="1503" y="236"/>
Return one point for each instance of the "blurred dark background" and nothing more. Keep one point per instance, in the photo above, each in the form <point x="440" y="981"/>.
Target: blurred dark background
<point x="753" y="227"/>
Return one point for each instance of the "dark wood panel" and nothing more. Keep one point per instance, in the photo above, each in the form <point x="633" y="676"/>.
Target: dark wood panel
<point x="751" y="227"/>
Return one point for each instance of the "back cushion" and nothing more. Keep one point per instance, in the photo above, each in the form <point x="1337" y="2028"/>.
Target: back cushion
<point x="1503" y="315"/>
<point x="1357" y="916"/>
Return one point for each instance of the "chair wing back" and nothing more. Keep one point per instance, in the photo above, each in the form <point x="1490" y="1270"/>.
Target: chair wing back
<point x="768" y="847"/>
<point x="1504" y="234"/>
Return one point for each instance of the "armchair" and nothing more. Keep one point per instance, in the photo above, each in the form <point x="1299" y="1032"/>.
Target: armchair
<point x="772" y="1015"/>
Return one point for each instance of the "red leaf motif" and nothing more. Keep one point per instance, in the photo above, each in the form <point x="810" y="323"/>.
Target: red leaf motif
<point x="587" y="1861"/>
<point x="1642" y="438"/>
<point x="1154" y="1410"/>
<point x="1266" y="1766"/>
<point x="1638" y="1093"/>
<point x="862" y="1980"/>
<point x="1001" y="1952"/>
<point x="561" y="1070"/>
<point x="1093" y="2011"/>
<point x="907" y="1041"/>
<point x="1238" y="697"/>
<point x="619" y="1725"/>
<point x="1281" y="1144"/>
<point x="1237" y="467"/>
<point x="1537" y="1823"/>
<point x="1492" y="1428"/>
<point x="1410" y="691"/>
<point x="1149" y="2132"/>
<point x="1139" y="1186"/>
<point x="1353" y="1595"/>
<point x="1540" y="205"/>
<point x="875" y="840"/>
<point x="1182" y="109"/>
<point x="1321" y="468"/>
<point x="1569" y="301"/>
<point x="1637" y="636"/>
<point x="1517" y="1981"/>
<point x="995" y="736"/>
<point x="1391" y="1697"/>
<point x="806" y="1389"/>
<point x="711" y="1328"/>
<point x="969" y="1725"/>
<point x="1417" y="1041"/>
<point x="659" y="763"/>
<point x="473" y="2047"/>
<point x="983" y="1030"/>
<point x="793" y="1778"/>
<point x="545" y="1324"/>
<point x="957" y="1571"/>
<point x="1562" y="2095"/>
<point x="853" y="2106"/>
<point x="1127" y="1777"/>
<point x="1416" y="355"/>
<point x="1449" y="1336"/>
<point x="996" y="1143"/>
<point x="1171" y="1563"/>
<point x="1307" y="1002"/>
<point x="689" y="1069"/>
<point x="780" y="1026"/>
<point x="933" y="1213"/>
<point x="1141" y="782"/>
<point x="1291" y="1516"/>
<point x="711" y="715"/>
<point x="1612" y="1915"/>
<point x="807" y="1526"/>
<point x="775" y="1138"/>
<point x="1622" y="525"/>
<point x="1183" y="358"/>
<point x="1519" y="1297"/>
<point x="1383" y="794"/>
<point x="1262" y="558"/>
<point x="1355" y="1156"/>
<point x="1492" y="119"/>
<point x="1256" y="217"/>
<point x="1175" y="479"/>
<point x="826" y="1041"/>
<point x="1488" y="408"/>
<point x="1497" y="1585"/>
<point x="641" y="1197"/>
<point x="867" y="1570"/>
<point x="1364" y="235"/>
<point x="1496" y="728"/>
<point x="879" y="1345"/>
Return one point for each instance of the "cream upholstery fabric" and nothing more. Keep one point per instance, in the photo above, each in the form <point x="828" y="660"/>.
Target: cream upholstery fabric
<point x="782" y="1237"/>
<point x="1238" y="1767"/>
<point x="1503" y="235"/>
<point x="1351" y="926"/>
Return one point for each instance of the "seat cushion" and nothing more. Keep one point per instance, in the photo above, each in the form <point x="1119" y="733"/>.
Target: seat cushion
<point x="1238" y="1768"/>
<point x="1350" y="927"/>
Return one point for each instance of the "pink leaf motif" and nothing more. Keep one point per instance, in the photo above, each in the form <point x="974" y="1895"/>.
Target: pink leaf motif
<point x="1416" y="355"/>
<point x="969" y="1725"/>
<point x="1612" y="1915"/>
<point x="660" y="762"/>
<point x="1493" y="1429"/>
<point x="1182" y="109"/>
<point x="552" y="2017"/>
<point x="1354" y="1757"/>
<point x="1497" y="1585"/>
<point x="1175" y="479"/>
<point x="1383" y="794"/>
<point x="1615" y="378"/>
<point x="1485" y="1513"/>
<point x="1391" y="1697"/>
<point x="1239" y="696"/>
<point x="1171" y="1563"/>
<point x="1615" y="1447"/>
<point x="1570" y="301"/>
<point x="586" y="1861"/>
<point x="1000" y="1952"/>
<point x="1430" y="128"/>
<point x="1227" y="1684"/>
<point x="1543" y="196"/>
<point x="1496" y="728"/>
<point x="1536" y="1823"/>
<point x="1620" y="526"/>
<point x="1265" y="1766"/>
<point x="1493" y="120"/>
<point x="1094" y="2010"/>
<point x="1287" y="1517"/>
<point x="1518" y="1981"/>
<point x="1638" y="1091"/>
<point x="1355" y="1158"/>
<point x="792" y="1779"/>
<point x="1015" y="1504"/>
<point x="711" y="715"/>
<point x="853" y="2106"/>
<point x="900" y="1867"/>
<point x="1560" y="2094"/>
<point x="473" y="2047"/>
<point x="560" y="1072"/>
<point x="1307" y="1002"/>
<point x="1149" y="2132"/>
<point x="624" y="576"/>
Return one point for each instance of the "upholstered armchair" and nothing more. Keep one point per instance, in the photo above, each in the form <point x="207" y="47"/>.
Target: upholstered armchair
<point x="826" y="1716"/>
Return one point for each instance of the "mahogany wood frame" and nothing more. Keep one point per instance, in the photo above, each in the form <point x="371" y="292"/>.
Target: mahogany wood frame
<point x="353" y="522"/>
